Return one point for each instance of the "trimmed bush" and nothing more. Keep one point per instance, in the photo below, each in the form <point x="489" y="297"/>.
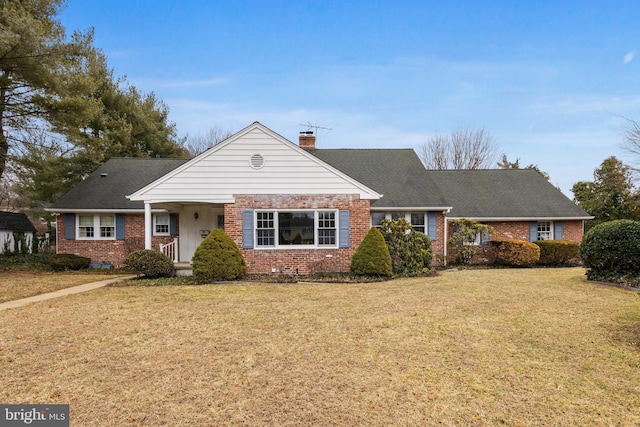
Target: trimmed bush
<point x="61" y="262"/>
<point x="410" y="250"/>
<point x="516" y="253"/>
<point x="612" y="247"/>
<point x="558" y="252"/>
<point x="372" y="256"/>
<point x="218" y="258"/>
<point x="149" y="263"/>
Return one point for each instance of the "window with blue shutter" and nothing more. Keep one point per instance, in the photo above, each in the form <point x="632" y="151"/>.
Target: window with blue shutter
<point x="432" y="226"/>
<point x="345" y="229"/>
<point x="247" y="229"/>
<point x="69" y="226"/>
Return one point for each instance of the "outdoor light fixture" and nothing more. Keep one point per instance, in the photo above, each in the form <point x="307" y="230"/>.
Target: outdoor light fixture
<point x="195" y="215"/>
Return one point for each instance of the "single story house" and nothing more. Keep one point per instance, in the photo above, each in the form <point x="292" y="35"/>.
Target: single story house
<point x="15" y="230"/>
<point x="294" y="208"/>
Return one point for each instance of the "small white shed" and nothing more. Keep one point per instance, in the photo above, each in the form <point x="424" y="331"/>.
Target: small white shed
<point x="15" y="230"/>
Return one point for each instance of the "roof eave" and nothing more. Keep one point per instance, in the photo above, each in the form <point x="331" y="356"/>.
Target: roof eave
<point x="523" y="218"/>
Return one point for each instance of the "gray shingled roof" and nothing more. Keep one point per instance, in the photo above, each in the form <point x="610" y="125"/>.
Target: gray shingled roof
<point x="108" y="186"/>
<point x="503" y="193"/>
<point x="12" y="221"/>
<point x="398" y="174"/>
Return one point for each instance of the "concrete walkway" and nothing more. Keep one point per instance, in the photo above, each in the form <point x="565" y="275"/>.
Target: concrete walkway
<point x="62" y="292"/>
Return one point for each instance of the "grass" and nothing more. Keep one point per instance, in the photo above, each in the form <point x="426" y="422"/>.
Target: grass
<point x="523" y="347"/>
<point x="17" y="284"/>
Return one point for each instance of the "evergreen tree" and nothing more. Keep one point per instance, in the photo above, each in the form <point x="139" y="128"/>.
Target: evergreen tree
<point x="611" y="195"/>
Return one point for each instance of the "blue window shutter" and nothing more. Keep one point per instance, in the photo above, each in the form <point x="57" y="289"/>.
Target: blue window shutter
<point x="484" y="237"/>
<point x="173" y="224"/>
<point x="432" y="227"/>
<point x="247" y="229"/>
<point x="533" y="231"/>
<point x="120" y="226"/>
<point x="69" y="226"/>
<point x="345" y="228"/>
<point x="557" y="230"/>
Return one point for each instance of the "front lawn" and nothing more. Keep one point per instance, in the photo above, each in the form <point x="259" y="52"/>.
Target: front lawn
<point x="515" y="347"/>
<point x="17" y="284"/>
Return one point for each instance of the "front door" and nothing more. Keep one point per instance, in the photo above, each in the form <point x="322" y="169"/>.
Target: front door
<point x="196" y="222"/>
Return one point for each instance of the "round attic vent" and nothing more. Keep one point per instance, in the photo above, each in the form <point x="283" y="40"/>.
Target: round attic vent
<point x="257" y="161"/>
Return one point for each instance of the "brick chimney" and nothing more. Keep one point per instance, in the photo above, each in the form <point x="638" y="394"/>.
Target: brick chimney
<point x="307" y="140"/>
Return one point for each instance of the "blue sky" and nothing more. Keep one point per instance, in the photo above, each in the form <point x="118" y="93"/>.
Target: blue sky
<point x="549" y="80"/>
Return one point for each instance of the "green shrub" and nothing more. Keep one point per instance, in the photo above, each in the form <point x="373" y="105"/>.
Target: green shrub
<point x="516" y="253"/>
<point x="30" y="262"/>
<point x="218" y="258"/>
<point x="149" y="263"/>
<point x="465" y="236"/>
<point x="61" y="262"/>
<point x="558" y="252"/>
<point x="372" y="256"/>
<point x="612" y="247"/>
<point x="410" y="250"/>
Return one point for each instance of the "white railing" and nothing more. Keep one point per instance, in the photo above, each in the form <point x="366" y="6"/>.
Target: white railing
<point x="170" y="250"/>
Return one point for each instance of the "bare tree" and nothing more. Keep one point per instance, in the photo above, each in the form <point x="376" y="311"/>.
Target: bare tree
<point x="462" y="149"/>
<point x="201" y="143"/>
<point x="631" y="140"/>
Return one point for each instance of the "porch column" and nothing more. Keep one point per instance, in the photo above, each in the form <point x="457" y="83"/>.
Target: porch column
<point x="147" y="225"/>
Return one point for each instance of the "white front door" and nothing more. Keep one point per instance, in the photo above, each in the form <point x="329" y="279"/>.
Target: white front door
<point x="196" y="222"/>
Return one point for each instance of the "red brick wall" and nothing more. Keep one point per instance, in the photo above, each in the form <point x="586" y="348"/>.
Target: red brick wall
<point x="113" y="251"/>
<point x="571" y="230"/>
<point x="298" y="261"/>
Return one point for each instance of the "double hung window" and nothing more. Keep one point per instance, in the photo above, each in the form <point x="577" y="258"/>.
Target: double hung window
<point x="545" y="230"/>
<point x="97" y="226"/>
<point x="161" y="225"/>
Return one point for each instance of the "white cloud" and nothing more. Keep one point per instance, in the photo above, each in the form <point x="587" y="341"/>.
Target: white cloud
<point x="629" y="57"/>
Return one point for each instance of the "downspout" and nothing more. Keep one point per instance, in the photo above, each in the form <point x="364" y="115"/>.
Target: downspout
<point x="444" y="214"/>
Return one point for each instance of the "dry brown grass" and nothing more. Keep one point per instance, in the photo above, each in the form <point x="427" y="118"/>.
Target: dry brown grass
<point x="22" y="284"/>
<point x="530" y="347"/>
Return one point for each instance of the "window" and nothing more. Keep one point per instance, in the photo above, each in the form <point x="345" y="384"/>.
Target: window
<point x="544" y="230"/>
<point x="326" y="228"/>
<point x="418" y="222"/>
<point x="376" y="219"/>
<point x="85" y="226"/>
<point x="296" y="228"/>
<point x="105" y="224"/>
<point x="161" y="225"/>
<point x="265" y="229"/>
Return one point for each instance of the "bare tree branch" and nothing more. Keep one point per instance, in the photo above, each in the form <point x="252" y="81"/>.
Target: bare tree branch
<point x="462" y="149"/>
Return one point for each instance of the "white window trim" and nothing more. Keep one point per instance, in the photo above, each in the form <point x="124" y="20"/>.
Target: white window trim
<point x="550" y="232"/>
<point x="155" y="217"/>
<point x="407" y="216"/>
<point x="96" y="227"/>
<point x="315" y="229"/>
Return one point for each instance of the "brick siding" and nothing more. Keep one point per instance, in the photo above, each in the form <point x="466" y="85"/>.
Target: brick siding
<point x="519" y="230"/>
<point x="298" y="261"/>
<point x="112" y="251"/>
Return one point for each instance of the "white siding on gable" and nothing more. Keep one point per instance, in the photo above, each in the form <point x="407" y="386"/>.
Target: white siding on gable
<point x="223" y="171"/>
